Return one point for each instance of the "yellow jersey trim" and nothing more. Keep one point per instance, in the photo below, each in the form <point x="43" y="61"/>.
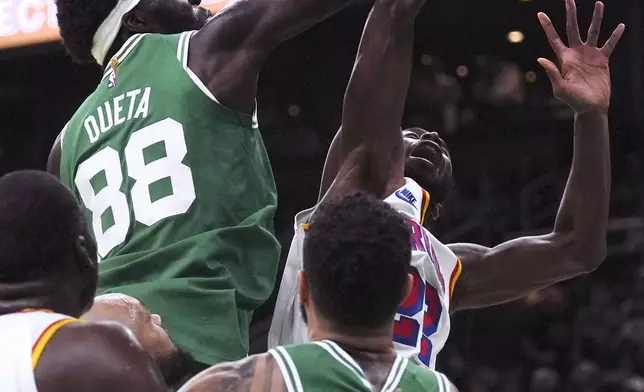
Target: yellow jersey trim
<point x="424" y="206"/>
<point x="455" y="275"/>
<point x="45" y="337"/>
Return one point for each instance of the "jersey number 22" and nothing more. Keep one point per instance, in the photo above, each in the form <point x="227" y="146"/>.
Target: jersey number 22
<point x="422" y="299"/>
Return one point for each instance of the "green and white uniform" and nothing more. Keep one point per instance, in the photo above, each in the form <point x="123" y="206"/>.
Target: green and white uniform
<point x="325" y="366"/>
<point x="180" y="194"/>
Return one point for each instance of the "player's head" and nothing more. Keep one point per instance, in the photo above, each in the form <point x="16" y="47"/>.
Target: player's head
<point x="129" y="311"/>
<point x="356" y="266"/>
<point x="428" y="162"/>
<point x="79" y="20"/>
<point x="47" y="254"/>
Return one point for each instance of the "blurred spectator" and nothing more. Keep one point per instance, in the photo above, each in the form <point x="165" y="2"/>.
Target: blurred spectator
<point x="544" y="380"/>
<point x="633" y="384"/>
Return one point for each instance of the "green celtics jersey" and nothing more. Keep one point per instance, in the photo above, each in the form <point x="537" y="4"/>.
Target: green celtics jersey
<point x="180" y="195"/>
<point x="325" y="366"/>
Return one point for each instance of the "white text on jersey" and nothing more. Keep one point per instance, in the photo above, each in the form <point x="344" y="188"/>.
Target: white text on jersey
<point x="118" y="111"/>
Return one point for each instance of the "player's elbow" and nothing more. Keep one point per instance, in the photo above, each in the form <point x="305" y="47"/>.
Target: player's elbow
<point x="589" y="256"/>
<point x="595" y="257"/>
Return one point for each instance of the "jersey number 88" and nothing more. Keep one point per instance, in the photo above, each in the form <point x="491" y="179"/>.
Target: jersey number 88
<point x="111" y="197"/>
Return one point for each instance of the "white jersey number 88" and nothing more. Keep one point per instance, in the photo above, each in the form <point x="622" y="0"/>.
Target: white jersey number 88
<point x="146" y="211"/>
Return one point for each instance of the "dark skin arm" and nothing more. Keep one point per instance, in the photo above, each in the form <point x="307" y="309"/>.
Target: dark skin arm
<point x="577" y="244"/>
<point x="53" y="162"/>
<point x="257" y="373"/>
<point x="99" y="357"/>
<point x="375" y="98"/>
<point x="228" y="52"/>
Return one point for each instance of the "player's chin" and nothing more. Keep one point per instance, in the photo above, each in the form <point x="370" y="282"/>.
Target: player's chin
<point x="420" y="169"/>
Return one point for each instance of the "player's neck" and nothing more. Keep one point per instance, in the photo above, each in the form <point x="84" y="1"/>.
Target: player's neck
<point x="374" y="342"/>
<point x="16" y="297"/>
<point x="120" y="40"/>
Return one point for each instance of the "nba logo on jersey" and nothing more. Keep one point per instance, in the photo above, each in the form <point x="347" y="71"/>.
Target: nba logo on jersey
<point x="111" y="80"/>
<point x="407" y="196"/>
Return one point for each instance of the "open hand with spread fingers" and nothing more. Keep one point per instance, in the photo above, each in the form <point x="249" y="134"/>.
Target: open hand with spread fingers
<point x="583" y="79"/>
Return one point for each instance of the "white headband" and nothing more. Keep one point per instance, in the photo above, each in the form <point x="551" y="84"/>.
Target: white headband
<point x="107" y="31"/>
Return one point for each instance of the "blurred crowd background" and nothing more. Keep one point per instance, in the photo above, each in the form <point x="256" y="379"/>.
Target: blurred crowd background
<point x="475" y="81"/>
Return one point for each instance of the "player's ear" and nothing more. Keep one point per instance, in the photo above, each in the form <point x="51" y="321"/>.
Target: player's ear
<point x="85" y="254"/>
<point x="303" y="287"/>
<point x="409" y="286"/>
<point x="435" y="210"/>
<point x="135" y="22"/>
<point x="85" y="259"/>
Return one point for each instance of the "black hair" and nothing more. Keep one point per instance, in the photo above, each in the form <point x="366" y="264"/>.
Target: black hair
<point x="357" y="255"/>
<point x="78" y="21"/>
<point x="40" y="221"/>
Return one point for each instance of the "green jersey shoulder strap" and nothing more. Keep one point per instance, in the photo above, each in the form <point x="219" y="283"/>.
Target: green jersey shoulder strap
<point x="420" y="378"/>
<point x="324" y="365"/>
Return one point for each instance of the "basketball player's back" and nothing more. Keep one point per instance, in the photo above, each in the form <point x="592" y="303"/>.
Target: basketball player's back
<point x="165" y="172"/>
<point x="321" y="366"/>
<point x="326" y="365"/>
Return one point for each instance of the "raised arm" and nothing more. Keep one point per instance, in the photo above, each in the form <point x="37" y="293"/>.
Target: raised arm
<point x="53" y="162"/>
<point x="375" y="98"/>
<point x="228" y="52"/>
<point x="577" y="244"/>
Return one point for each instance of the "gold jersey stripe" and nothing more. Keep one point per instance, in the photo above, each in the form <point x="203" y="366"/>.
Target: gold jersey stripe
<point x="45" y="337"/>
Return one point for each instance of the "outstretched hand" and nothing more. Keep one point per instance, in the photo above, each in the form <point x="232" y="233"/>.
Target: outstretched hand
<point x="583" y="79"/>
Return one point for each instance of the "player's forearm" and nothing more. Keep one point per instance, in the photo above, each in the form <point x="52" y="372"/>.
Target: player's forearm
<point x="284" y="19"/>
<point x="375" y="98"/>
<point x="584" y="208"/>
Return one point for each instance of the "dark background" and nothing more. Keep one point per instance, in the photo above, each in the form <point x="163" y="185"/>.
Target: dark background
<point x="511" y="145"/>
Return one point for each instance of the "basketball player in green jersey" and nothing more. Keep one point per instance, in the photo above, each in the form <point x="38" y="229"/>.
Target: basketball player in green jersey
<point x="166" y="157"/>
<point x="356" y="273"/>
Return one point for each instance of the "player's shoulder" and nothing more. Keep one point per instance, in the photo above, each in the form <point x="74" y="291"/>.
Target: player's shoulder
<point x="410" y="200"/>
<point x="95" y="341"/>
<point x="100" y="330"/>
<point x="145" y="46"/>
<point x="303" y="217"/>
<point x="157" y="39"/>
<point x="104" y="352"/>
<point x="138" y="40"/>
<point x="239" y="375"/>
<point x="428" y="379"/>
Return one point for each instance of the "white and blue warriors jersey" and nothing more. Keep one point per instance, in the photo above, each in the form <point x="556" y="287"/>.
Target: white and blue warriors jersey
<point x="422" y="323"/>
<point x="325" y="366"/>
